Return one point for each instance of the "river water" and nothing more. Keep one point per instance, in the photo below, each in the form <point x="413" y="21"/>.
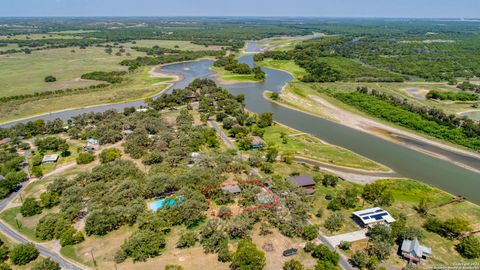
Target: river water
<point x="405" y="161"/>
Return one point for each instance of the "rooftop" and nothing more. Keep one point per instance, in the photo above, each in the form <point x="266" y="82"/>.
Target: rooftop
<point x="50" y="158"/>
<point x="302" y="180"/>
<point x="373" y="215"/>
<point x="413" y="248"/>
<point x="257" y="140"/>
<point x="92" y="142"/>
<point x="232" y="188"/>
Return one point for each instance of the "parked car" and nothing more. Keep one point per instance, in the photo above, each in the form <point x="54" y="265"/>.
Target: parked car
<point x="290" y="252"/>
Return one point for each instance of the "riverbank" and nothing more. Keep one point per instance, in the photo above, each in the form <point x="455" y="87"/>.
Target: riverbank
<point x="315" y="104"/>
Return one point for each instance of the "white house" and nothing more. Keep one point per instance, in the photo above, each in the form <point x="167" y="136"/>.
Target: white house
<point x="372" y="216"/>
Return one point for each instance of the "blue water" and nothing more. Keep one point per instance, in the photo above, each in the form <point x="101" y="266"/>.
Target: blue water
<point x="163" y="203"/>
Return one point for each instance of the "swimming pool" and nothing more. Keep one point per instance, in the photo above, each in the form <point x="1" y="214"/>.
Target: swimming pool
<point x="165" y="203"/>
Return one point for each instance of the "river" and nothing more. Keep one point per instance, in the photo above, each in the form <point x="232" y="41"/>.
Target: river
<point x="403" y="160"/>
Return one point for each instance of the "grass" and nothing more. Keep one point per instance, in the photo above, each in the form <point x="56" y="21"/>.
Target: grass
<point x="170" y="44"/>
<point x="138" y="85"/>
<point x="11" y="216"/>
<point x="308" y="146"/>
<point x="227" y="76"/>
<point x="26" y="72"/>
<point x="287" y="65"/>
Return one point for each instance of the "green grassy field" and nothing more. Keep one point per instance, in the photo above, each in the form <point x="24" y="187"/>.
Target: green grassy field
<point x="287" y="65"/>
<point x="227" y="76"/>
<point x="170" y="44"/>
<point x="69" y="35"/>
<point x="24" y="73"/>
<point x="308" y="146"/>
<point x="138" y="85"/>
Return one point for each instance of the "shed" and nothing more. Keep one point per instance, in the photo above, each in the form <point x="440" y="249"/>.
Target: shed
<point x="92" y="144"/>
<point x="257" y="142"/>
<point x="372" y="216"/>
<point x="305" y="180"/>
<point x="50" y="158"/>
<point x="414" y="252"/>
<point x="127" y="132"/>
<point x="235" y="189"/>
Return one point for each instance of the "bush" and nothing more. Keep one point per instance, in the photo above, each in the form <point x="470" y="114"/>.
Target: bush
<point x="4" y="266"/>
<point x="71" y="237"/>
<point x="248" y="256"/>
<point x="85" y="158"/>
<point x="360" y="259"/>
<point x="309" y="246"/>
<point x="224" y="254"/>
<point x="469" y="247"/>
<point x="143" y="245"/>
<point x="110" y="154"/>
<point x="49" y="199"/>
<point x="334" y="222"/>
<point x="292" y="265"/>
<point x="173" y="267"/>
<point x="310" y="232"/>
<point x="50" y="78"/>
<point x="37" y="171"/>
<point x="188" y="239"/>
<point x="46" y="264"/>
<point x="51" y="227"/>
<point x="30" y="207"/>
<point x="345" y="245"/>
<point x="322" y="253"/>
<point x="23" y="254"/>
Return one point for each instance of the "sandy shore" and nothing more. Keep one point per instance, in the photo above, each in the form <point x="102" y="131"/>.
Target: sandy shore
<point x="318" y="106"/>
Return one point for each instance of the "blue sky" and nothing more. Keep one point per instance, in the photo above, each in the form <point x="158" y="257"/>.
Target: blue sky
<point x="320" y="8"/>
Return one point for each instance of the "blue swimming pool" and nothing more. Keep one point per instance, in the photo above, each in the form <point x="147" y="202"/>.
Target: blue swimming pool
<point x="162" y="203"/>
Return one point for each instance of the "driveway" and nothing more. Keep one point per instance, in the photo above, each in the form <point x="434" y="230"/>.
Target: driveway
<point x="347" y="237"/>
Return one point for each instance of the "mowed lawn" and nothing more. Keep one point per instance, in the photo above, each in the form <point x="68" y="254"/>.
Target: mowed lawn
<point x="22" y="73"/>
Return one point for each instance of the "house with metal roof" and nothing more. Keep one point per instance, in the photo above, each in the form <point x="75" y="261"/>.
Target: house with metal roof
<point x="257" y="142"/>
<point x="50" y="158"/>
<point x="372" y="216"/>
<point x="235" y="189"/>
<point x="304" y="181"/>
<point x="414" y="252"/>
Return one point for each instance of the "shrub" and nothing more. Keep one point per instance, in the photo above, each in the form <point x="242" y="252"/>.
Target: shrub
<point x="46" y="264"/>
<point x="310" y="232"/>
<point x="309" y="246"/>
<point x="85" y="158"/>
<point x="292" y="265"/>
<point x="469" y="247"/>
<point x="51" y="227"/>
<point x="322" y="253"/>
<point x="334" y="222"/>
<point x="23" y="254"/>
<point x="110" y="154"/>
<point x="143" y="245"/>
<point x="50" y="78"/>
<point x="49" y="199"/>
<point x="30" y="207"/>
<point x="71" y="237"/>
<point x="173" y="267"/>
<point x="345" y="245"/>
<point x="188" y="239"/>
<point x="248" y="256"/>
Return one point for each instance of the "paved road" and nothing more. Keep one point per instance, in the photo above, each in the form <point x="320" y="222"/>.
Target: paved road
<point x="5" y="229"/>
<point x="343" y="262"/>
<point x="222" y="134"/>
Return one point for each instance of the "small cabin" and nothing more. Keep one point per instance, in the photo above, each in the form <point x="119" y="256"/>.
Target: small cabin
<point x="50" y="158"/>
<point x="235" y="189"/>
<point x="257" y="142"/>
<point x="304" y="181"/>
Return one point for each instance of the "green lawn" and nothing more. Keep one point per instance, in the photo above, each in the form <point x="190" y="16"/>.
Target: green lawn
<point x="287" y="65"/>
<point x="227" y="76"/>
<point x="24" y="73"/>
<point x="308" y="146"/>
<point x="138" y="85"/>
<point x="10" y="216"/>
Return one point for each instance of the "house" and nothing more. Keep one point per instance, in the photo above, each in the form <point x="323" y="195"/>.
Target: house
<point x="235" y="189"/>
<point x="257" y="142"/>
<point x="414" y="252"/>
<point x="372" y="216"/>
<point x="92" y="144"/>
<point x="50" y="158"/>
<point x="304" y="181"/>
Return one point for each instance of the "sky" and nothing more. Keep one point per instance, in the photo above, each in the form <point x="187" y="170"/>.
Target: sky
<point x="308" y="8"/>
